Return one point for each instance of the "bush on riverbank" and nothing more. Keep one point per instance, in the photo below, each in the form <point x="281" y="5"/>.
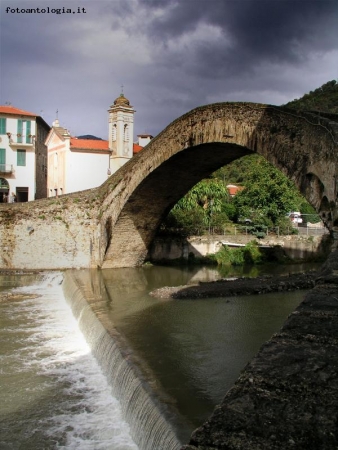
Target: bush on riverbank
<point x="250" y="254"/>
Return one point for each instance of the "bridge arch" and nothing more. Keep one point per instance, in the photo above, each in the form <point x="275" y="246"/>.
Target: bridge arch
<point x="137" y="198"/>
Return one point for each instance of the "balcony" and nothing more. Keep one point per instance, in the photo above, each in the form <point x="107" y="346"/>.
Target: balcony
<point x="20" y="141"/>
<point x="6" y="168"/>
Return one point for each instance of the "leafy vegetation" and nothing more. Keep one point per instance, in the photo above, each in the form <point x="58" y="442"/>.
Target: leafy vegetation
<point x="250" y="254"/>
<point x="201" y="208"/>
<point x="265" y="200"/>
<point x="268" y="194"/>
<point x="323" y="99"/>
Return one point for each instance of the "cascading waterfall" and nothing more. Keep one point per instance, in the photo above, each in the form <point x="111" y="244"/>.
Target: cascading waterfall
<point x="148" y="418"/>
<point x="53" y="392"/>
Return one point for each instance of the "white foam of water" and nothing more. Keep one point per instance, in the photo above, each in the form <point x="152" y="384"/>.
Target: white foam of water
<point x="90" y="417"/>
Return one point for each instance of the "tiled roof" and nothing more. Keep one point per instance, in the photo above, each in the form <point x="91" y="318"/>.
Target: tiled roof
<point x="93" y="144"/>
<point x="136" y="148"/>
<point x="6" y="109"/>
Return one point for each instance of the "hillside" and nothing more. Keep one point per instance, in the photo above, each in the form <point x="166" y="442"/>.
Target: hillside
<point x="323" y="99"/>
<point x="89" y="136"/>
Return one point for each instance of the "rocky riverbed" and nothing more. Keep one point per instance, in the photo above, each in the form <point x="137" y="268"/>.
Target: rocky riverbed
<point x="239" y="286"/>
<point x="11" y="296"/>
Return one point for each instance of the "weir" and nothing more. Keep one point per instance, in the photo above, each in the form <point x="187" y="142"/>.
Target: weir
<point x="151" y="423"/>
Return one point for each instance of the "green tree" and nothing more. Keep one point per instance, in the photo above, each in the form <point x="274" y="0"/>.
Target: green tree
<point x="309" y="214"/>
<point x="323" y="99"/>
<point x="201" y="208"/>
<point x="268" y="194"/>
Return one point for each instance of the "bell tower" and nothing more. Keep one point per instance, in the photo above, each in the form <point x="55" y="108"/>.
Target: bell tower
<point x="121" y="132"/>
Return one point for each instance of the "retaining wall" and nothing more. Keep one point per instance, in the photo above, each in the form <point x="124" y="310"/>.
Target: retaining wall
<point x="295" y="247"/>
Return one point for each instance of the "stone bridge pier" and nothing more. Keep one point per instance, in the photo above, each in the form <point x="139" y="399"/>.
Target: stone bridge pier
<point x="114" y="224"/>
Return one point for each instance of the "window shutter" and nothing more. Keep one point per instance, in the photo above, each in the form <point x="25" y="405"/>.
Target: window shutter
<point x="28" y="132"/>
<point x="3" y="125"/>
<point x="2" y="156"/>
<point x="21" y="158"/>
<point x="20" y="130"/>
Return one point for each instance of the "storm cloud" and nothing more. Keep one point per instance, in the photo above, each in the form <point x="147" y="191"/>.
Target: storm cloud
<point x="170" y="56"/>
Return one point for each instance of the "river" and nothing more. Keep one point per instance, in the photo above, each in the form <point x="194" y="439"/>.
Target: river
<point x="54" y="394"/>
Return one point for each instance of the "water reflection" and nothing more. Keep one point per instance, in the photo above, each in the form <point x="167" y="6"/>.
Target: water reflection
<point x="193" y="350"/>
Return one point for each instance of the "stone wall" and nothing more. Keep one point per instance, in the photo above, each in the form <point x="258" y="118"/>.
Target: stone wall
<point x="41" y="159"/>
<point x="48" y="234"/>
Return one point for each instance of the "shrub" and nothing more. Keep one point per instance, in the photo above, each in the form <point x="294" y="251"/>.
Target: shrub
<point x="250" y="254"/>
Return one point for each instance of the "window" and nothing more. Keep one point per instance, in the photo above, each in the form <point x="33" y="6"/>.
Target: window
<point x="21" y="158"/>
<point x="126" y="133"/>
<point x="2" y="125"/>
<point x="4" y="183"/>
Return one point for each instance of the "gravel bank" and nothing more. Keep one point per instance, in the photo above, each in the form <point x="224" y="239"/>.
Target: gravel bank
<point x="239" y="286"/>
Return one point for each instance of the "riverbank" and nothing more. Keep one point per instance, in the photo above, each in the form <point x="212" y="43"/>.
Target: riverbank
<point x="239" y="286"/>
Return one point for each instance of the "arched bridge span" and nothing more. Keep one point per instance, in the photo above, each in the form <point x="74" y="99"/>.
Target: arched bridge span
<point x="138" y="197"/>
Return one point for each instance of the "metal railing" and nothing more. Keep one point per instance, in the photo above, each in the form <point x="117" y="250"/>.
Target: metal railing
<point x="6" y="168"/>
<point x="235" y="229"/>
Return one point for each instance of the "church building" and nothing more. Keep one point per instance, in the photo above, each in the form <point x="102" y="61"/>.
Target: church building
<point x="76" y="164"/>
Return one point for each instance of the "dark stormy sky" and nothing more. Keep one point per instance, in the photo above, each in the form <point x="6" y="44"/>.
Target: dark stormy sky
<point x="170" y="56"/>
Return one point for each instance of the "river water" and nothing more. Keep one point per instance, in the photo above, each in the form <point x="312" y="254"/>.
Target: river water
<point x="54" y="393"/>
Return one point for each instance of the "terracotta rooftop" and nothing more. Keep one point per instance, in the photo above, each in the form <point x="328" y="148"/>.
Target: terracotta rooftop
<point x="7" y="109"/>
<point x="94" y="144"/>
<point x="137" y="148"/>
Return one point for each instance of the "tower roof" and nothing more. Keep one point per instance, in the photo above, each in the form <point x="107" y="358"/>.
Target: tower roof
<point x="121" y="101"/>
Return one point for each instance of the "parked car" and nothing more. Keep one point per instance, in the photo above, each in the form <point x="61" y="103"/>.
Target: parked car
<point x="295" y="217"/>
<point x="244" y="220"/>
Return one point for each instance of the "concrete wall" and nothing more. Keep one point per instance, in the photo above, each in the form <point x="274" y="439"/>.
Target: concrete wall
<point x="295" y="247"/>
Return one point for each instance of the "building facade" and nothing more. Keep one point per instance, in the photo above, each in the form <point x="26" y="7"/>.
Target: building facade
<point x="23" y="155"/>
<point x="75" y="164"/>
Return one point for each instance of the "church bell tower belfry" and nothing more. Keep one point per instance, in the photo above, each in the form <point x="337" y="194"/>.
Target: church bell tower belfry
<point x="121" y="132"/>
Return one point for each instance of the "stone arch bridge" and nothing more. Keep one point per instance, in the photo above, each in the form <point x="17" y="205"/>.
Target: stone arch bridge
<point x="114" y="224"/>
